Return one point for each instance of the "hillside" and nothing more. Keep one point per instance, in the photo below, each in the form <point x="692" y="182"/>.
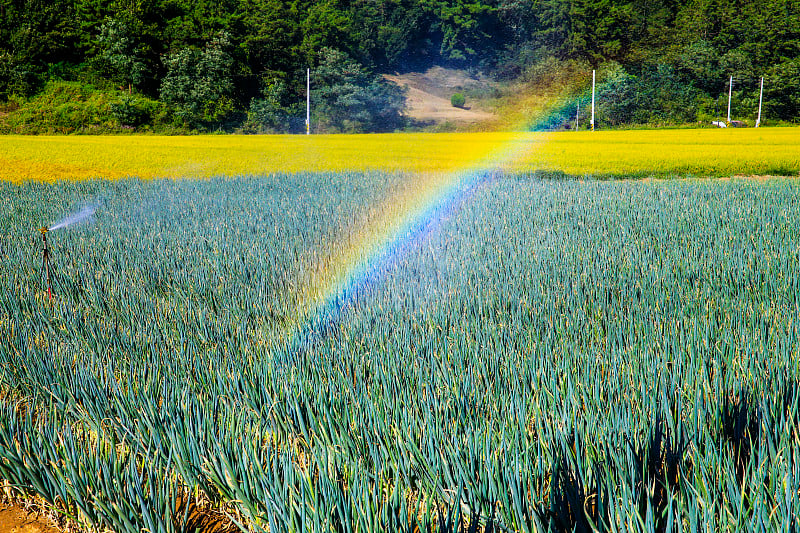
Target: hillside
<point x="172" y="66"/>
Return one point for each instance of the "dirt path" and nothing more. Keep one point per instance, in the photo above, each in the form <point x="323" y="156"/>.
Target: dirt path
<point x="429" y="92"/>
<point x="14" y="519"/>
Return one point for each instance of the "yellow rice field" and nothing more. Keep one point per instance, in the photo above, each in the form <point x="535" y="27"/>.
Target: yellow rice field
<point x="700" y="152"/>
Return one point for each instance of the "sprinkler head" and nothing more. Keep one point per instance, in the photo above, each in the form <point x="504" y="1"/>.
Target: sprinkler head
<point x="44" y="230"/>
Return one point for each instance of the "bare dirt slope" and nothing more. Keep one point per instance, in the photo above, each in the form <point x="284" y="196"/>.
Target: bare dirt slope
<point x="429" y="92"/>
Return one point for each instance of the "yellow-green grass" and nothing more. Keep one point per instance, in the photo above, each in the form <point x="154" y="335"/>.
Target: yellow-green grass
<point x="700" y="152"/>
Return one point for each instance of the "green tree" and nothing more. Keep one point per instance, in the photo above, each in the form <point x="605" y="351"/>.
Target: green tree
<point x="271" y="39"/>
<point x="34" y="36"/>
<point x="390" y="34"/>
<point x="620" y="95"/>
<point x="698" y="63"/>
<point x="119" y="57"/>
<point x="349" y="99"/>
<point x="188" y="23"/>
<point x="198" y="84"/>
<point x="559" y="27"/>
<point x="326" y="24"/>
<point x="465" y="29"/>
<point x="270" y="113"/>
<point x="782" y="91"/>
<point x="143" y="23"/>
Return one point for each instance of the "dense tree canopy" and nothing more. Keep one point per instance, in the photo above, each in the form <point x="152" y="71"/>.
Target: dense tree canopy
<point x="212" y="63"/>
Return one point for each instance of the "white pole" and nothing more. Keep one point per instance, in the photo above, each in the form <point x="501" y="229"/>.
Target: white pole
<point x="592" y="101"/>
<point x="730" y="90"/>
<point x="308" y="101"/>
<point x="577" y="115"/>
<point x="760" y="98"/>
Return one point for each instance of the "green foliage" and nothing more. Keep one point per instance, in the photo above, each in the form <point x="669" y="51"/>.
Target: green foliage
<point x="782" y="89"/>
<point x="458" y="100"/>
<point x="271" y="38"/>
<point x="269" y="114"/>
<point x="119" y="57"/>
<point x="465" y="27"/>
<point x="133" y="111"/>
<point x="198" y="83"/>
<point x="349" y="99"/>
<point x="326" y="24"/>
<point x="623" y="101"/>
<point x="17" y="79"/>
<point x="157" y="46"/>
<point x="656" y="96"/>
<point x="391" y="34"/>
<point x="66" y="107"/>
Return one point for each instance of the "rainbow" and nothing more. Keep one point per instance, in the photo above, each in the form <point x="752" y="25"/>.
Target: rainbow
<point x="403" y="220"/>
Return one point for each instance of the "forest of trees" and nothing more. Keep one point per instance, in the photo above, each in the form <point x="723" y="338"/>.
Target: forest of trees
<point x="240" y="64"/>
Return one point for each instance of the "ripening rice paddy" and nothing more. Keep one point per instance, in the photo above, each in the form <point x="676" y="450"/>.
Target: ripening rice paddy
<point x="704" y="152"/>
<point x="292" y="351"/>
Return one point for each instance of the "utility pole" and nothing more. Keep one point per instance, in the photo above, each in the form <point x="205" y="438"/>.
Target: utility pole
<point x="593" y="100"/>
<point x="308" y="101"/>
<point x="760" y="98"/>
<point x="730" y="91"/>
<point x="577" y="114"/>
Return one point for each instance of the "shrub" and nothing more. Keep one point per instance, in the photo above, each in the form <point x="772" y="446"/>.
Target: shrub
<point x="71" y="107"/>
<point x="457" y="100"/>
<point x="133" y="111"/>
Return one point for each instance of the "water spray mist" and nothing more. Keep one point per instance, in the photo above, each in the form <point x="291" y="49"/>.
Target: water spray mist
<point x="84" y="214"/>
<point x="81" y="215"/>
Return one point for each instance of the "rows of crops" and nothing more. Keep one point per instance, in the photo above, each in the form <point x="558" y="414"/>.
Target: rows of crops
<point x="553" y="354"/>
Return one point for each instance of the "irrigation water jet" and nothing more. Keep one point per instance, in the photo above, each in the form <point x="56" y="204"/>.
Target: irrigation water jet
<point x="80" y="216"/>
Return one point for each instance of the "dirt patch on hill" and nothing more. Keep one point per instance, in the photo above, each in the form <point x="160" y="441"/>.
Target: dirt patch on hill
<point x="429" y="92"/>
